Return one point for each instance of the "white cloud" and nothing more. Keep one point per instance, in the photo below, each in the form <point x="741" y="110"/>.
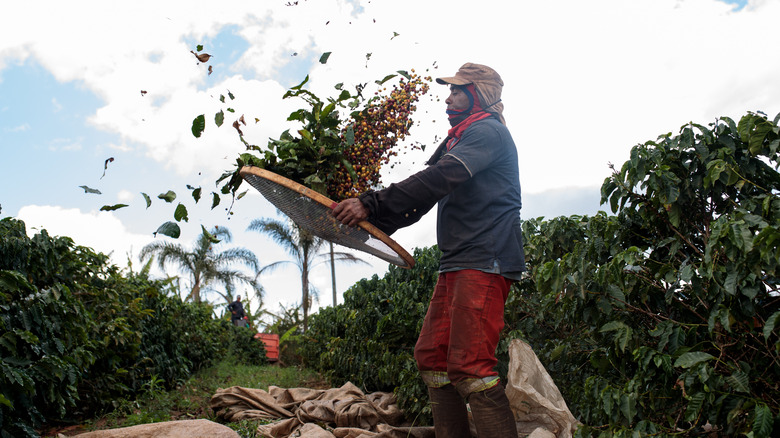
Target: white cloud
<point x="125" y="196"/>
<point x="66" y="144"/>
<point x="21" y="128"/>
<point x="101" y="231"/>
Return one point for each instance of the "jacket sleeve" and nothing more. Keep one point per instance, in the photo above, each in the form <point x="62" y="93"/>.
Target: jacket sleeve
<point x="404" y="203"/>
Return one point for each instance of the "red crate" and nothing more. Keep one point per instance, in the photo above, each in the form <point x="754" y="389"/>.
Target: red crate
<point x="271" y="341"/>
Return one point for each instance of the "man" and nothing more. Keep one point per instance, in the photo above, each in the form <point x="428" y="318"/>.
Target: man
<point x="237" y="315"/>
<point x="474" y="178"/>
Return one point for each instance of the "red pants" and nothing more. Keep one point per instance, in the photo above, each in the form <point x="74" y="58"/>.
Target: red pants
<point x="461" y="329"/>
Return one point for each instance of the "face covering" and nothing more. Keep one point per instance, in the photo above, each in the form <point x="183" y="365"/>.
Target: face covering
<point x="460" y="120"/>
<point x="457" y="116"/>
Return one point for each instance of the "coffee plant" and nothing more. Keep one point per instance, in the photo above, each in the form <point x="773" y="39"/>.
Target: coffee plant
<point x="662" y="318"/>
<point x="77" y="335"/>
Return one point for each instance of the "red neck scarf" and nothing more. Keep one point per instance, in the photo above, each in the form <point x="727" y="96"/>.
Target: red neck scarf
<point x="477" y="113"/>
<point x="457" y="131"/>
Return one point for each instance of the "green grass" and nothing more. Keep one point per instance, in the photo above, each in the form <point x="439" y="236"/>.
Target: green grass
<point x="191" y="399"/>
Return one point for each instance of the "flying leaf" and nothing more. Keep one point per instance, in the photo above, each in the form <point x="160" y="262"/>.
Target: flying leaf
<point x="199" y="47"/>
<point x="147" y="199"/>
<point x="143" y="92"/>
<point x="202" y="57"/>
<point x="385" y="79"/>
<point x="219" y="118"/>
<point x="211" y="70"/>
<point x="324" y="57"/>
<point x="230" y="95"/>
<point x="241" y="195"/>
<point x="214" y="200"/>
<point x="168" y="196"/>
<point x="238" y="128"/>
<point x="112" y="207"/>
<point x="170" y="229"/>
<point x="395" y="34"/>
<point x="210" y="237"/>
<point x="105" y="166"/>
<point x="198" y="125"/>
<point x="181" y="213"/>
<point x="196" y="194"/>
<point x="241" y="119"/>
<point x="91" y="190"/>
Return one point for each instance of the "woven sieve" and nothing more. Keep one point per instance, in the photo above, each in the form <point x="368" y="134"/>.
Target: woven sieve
<point x="311" y="211"/>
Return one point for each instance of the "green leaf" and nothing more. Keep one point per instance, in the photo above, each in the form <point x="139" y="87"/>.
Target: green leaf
<point x="694" y="406"/>
<point x="731" y="281"/>
<point x="214" y="199"/>
<point x="181" y="213"/>
<point x="771" y="322"/>
<point x="112" y="207"/>
<point x="623" y="333"/>
<point x="219" y="118"/>
<point x="739" y="381"/>
<point x="691" y="358"/>
<point x="196" y="194"/>
<point x="5" y="401"/>
<point x="762" y="420"/>
<point x="168" y="196"/>
<point x="199" y="47"/>
<point x="147" y="199"/>
<point x="91" y="190"/>
<point x="324" y="58"/>
<point x="350" y="169"/>
<point x="297" y="87"/>
<point x="617" y="295"/>
<point x="198" y="125"/>
<point x="210" y="237"/>
<point x="628" y="406"/>
<point x="385" y="79"/>
<point x="557" y="351"/>
<point x="170" y="229"/>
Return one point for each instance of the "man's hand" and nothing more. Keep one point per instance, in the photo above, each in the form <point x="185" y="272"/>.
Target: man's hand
<point x="350" y="211"/>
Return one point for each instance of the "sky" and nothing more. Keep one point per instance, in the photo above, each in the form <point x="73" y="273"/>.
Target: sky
<point x="85" y="81"/>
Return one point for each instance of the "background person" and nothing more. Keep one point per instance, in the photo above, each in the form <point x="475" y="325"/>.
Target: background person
<point x="237" y="315"/>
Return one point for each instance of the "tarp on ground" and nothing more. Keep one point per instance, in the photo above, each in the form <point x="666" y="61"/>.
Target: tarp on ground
<point x="347" y="412"/>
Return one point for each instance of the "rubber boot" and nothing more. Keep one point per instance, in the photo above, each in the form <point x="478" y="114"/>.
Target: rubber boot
<point x="491" y="413"/>
<point x="450" y="417"/>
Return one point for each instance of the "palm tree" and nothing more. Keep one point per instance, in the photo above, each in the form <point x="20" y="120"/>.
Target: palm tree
<point x="204" y="265"/>
<point x="305" y="249"/>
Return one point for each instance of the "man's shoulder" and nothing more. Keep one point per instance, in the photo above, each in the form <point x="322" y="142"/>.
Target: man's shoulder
<point x="488" y="126"/>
